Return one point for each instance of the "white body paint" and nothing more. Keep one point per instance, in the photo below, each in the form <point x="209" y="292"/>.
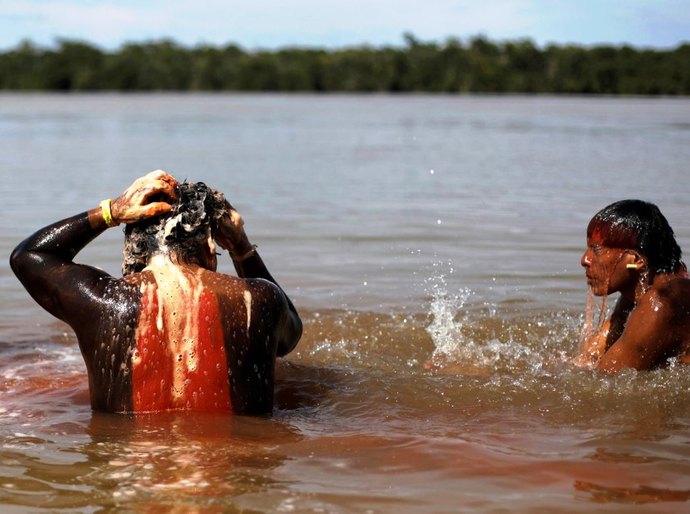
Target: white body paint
<point x="248" y="306"/>
<point x="178" y="297"/>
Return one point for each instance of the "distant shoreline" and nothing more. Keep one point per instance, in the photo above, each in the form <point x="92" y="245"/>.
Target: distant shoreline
<point x="478" y="66"/>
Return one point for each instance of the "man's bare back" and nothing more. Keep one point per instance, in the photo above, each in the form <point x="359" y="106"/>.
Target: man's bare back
<point x="174" y="335"/>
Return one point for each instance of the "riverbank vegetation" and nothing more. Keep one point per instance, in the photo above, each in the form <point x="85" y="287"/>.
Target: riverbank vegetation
<point x="477" y="65"/>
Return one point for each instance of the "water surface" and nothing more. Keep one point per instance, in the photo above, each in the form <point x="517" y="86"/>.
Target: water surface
<point x="408" y="230"/>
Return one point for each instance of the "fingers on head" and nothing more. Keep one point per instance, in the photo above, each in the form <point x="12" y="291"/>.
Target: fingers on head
<point x="171" y="182"/>
<point x="167" y="187"/>
<point x="155" y="174"/>
<point x="157" y="187"/>
<point x="236" y="218"/>
<point x="161" y="176"/>
<point x="156" y="208"/>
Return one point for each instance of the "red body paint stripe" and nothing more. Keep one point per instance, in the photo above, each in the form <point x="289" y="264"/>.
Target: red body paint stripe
<point x="155" y="363"/>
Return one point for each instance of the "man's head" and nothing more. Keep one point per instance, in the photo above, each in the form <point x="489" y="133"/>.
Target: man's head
<point x="187" y="231"/>
<point x="637" y="226"/>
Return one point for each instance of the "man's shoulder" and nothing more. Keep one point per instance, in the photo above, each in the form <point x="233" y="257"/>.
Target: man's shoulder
<point x="260" y="289"/>
<point x="675" y="288"/>
<point x="669" y="299"/>
<point x="265" y="289"/>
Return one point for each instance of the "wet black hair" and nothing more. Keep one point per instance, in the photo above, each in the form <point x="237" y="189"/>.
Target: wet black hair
<point x="639" y="225"/>
<point x="193" y="219"/>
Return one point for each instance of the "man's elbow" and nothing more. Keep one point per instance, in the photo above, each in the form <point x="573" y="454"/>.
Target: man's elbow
<point x="26" y="264"/>
<point x="18" y="260"/>
<point x="292" y="335"/>
<point x="296" y="331"/>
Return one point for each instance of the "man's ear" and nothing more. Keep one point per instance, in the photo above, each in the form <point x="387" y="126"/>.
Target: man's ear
<point x="635" y="260"/>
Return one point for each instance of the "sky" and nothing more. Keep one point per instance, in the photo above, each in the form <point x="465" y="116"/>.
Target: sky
<point x="270" y="24"/>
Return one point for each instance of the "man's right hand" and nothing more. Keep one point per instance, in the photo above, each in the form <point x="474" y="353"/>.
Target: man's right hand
<point x="230" y="234"/>
<point x="134" y="205"/>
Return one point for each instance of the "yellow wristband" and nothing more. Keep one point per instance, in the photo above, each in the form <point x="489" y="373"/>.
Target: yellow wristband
<point x="107" y="215"/>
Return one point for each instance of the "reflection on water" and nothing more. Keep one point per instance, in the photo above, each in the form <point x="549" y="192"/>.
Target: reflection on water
<point x="641" y="494"/>
<point x="194" y="460"/>
<point x="442" y="309"/>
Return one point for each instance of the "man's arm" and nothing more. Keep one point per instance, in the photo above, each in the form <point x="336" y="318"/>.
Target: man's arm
<point x="647" y="338"/>
<point x="44" y="261"/>
<point x="248" y="264"/>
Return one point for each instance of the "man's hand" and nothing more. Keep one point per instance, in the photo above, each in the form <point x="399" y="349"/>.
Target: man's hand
<point x="134" y="204"/>
<point x="230" y="234"/>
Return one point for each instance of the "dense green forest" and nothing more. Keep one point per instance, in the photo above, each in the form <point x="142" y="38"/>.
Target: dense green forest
<point x="477" y="65"/>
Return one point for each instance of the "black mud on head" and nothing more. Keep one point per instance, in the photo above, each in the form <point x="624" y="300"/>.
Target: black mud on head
<point x="192" y="221"/>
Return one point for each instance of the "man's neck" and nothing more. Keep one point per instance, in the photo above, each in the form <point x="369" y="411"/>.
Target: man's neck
<point x="644" y="283"/>
<point x="176" y="258"/>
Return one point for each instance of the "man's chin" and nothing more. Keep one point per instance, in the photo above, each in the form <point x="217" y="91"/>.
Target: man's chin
<point x="596" y="291"/>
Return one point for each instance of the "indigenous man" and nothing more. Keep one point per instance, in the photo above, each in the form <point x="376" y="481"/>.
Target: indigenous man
<point x="172" y="333"/>
<point x="631" y="249"/>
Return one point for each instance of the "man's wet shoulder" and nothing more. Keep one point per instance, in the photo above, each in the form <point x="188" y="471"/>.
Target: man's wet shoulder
<point x="231" y="286"/>
<point x="675" y="288"/>
<point x="671" y="298"/>
<point x="266" y="289"/>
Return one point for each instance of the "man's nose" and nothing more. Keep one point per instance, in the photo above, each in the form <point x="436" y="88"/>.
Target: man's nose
<point x="586" y="260"/>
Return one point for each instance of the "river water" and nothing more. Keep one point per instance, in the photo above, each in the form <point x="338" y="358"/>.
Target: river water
<point x="409" y="230"/>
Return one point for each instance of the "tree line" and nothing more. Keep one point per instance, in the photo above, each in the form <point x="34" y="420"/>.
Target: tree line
<point x="478" y="65"/>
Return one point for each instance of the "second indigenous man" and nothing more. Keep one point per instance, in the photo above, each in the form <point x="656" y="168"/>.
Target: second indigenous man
<point x="631" y="249"/>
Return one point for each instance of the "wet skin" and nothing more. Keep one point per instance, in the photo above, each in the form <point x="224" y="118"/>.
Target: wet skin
<point x="651" y="320"/>
<point x="175" y="336"/>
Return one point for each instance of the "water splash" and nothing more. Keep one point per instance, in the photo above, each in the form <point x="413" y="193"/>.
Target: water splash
<point x="464" y="344"/>
<point x="445" y="329"/>
<point x="342" y="348"/>
<point x="592" y="346"/>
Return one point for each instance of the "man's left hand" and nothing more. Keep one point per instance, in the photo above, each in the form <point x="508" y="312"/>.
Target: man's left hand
<point x="135" y="205"/>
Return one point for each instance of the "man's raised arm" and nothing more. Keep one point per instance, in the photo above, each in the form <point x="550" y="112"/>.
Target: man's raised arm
<point x="248" y="264"/>
<point x="44" y="261"/>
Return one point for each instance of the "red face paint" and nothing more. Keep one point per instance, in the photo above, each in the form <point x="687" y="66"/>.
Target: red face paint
<point x="604" y="233"/>
<point x="597" y="237"/>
